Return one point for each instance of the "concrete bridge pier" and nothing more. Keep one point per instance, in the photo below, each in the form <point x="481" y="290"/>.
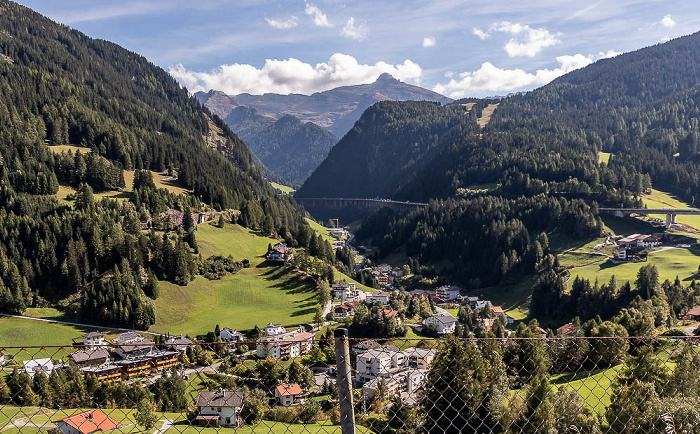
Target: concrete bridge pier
<point x="670" y="219"/>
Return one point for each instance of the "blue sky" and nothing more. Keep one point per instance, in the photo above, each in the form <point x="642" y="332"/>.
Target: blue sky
<point x="458" y="48"/>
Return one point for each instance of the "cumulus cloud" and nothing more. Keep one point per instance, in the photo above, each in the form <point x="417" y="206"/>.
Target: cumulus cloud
<point x="667" y="21"/>
<point x="352" y="30"/>
<point x="429" y="41"/>
<point x="490" y="79"/>
<point x="483" y="35"/>
<point x="293" y="75"/>
<point x="527" y="42"/>
<point x="320" y="19"/>
<point x="289" y="23"/>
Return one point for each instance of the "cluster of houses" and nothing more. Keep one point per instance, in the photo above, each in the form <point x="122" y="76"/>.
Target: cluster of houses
<point x="280" y="252"/>
<point x="385" y="274"/>
<point x="278" y="342"/>
<point x="351" y="297"/>
<point x="629" y="248"/>
<point x="400" y="373"/>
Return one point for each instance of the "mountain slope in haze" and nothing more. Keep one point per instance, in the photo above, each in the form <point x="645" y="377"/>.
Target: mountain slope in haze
<point x="289" y="148"/>
<point x="336" y="109"/>
<point x="59" y="86"/>
<point x="390" y="142"/>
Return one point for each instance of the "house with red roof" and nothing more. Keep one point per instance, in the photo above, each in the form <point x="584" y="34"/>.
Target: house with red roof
<point x="289" y="394"/>
<point x="693" y="314"/>
<point x="87" y="422"/>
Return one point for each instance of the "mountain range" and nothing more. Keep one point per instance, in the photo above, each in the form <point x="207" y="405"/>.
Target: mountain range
<point x="292" y="134"/>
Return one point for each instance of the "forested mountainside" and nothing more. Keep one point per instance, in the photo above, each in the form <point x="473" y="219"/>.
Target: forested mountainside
<point x="391" y="142"/>
<point x="541" y="149"/>
<point x="58" y="86"/>
<point x="288" y="147"/>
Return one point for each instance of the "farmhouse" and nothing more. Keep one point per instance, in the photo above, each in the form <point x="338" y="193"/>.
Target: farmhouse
<point x="289" y="394"/>
<point x="280" y="253"/>
<point x="274" y="329"/>
<point x="345" y="310"/>
<point x="221" y="408"/>
<point x="93" y="339"/>
<point x="231" y="335"/>
<point x="444" y="324"/>
<point x="87" y="422"/>
<point x="642" y="241"/>
<point x="567" y="329"/>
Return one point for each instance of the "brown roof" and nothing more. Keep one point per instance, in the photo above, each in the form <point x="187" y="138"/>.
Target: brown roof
<point x="90" y="421"/>
<point x="82" y="356"/>
<point x="695" y="311"/>
<point x="224" y="398"/>
<point x="497" y="310"/>
<point x="288" y="389"/>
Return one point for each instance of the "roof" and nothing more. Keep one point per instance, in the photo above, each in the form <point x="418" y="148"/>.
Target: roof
<point x="566" y="329"/>
<point x="93" y="335"/>
<point x="378" y="294"/>
<point x="222" y="398"/>
<point x="445" y="319"/>
<point x="288" y="390"/>
<point x="90" y="421"/>
<point x="419" y="352"/>
<point x="367" y="345"/>
<point x="695" y="311"/>
<point x="497" y="309"/>
<point x="341" y="307"/>
<point x="178" y="340"/>
<point x="389" y="313"/>
<point x="82" y="356"/>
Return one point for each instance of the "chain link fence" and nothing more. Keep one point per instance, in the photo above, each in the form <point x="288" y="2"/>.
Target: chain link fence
<point x="300" y="384"/>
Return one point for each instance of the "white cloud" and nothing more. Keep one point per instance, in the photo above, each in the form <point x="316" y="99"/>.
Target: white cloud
<point x="480" y="33"/>
<point x="608" y="54"/>
<point x="667" y="21"/>
<point x="490" y="79"/>
<point x="293" y="75"/>
<point x="289" y="23"/>
<point x="429" y="41"/>
<point x="320" y="19"/>
<point x="527" y="41"/>
<point x="354" y="31"/>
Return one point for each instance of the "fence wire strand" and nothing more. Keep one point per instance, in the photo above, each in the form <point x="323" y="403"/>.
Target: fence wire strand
<point x="290" y="385"/>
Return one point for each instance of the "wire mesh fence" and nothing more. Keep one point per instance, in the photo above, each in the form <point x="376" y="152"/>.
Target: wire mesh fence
<point x="299" y="384"/>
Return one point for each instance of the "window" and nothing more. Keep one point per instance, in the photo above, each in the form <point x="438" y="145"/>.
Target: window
<point x="218" y="410"/>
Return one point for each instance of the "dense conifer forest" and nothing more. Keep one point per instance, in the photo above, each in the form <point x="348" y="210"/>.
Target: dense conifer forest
<point x="57" y="87"/>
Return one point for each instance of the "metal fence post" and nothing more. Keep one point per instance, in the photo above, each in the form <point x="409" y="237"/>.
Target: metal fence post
<point x="344" y="381"/>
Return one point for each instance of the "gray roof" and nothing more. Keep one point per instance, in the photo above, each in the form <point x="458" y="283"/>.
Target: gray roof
<point x="445" y="319"/>
<point x="367" y="345"/>
<point x="224" y="398"/>
<point x="93" y="335"/>
<point x="82" y="356"/>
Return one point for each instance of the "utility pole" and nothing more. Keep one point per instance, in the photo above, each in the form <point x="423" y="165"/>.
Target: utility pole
<point x="344" y="381"/>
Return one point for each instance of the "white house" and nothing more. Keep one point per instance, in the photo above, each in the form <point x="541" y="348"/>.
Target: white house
<point x="296" y="343"/>
<point x="231" y="335"/>
<point x="289" y="394"/>
<point x="93" y="339"/>
<point x="178" y="343"/>
<point x="347" y="292"/>
<point x="420" y="358"/>
<point x="131" y="344"/>
<point x="280" y="253"/>
<point x="377" y="297"/>
<point x="274" y="329"/>
<point x="32" y="367"/>
<point x="220" y="408"/>
<point x="2" y="359"/>
<point x="447" y="293"/>
<point x="444" y="324"/>
<point x="401" y="372"/>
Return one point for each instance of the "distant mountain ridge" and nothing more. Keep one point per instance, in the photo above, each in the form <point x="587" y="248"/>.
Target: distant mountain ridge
<point x="292" y="134"/>
<point x="337" y="109"/>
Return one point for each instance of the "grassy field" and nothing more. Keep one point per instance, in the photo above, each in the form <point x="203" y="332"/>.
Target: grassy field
<point x="603" y="157"/>
<point x="254" y="296"/>
<point x="320" y="229"/>
<point x="283" y="188"/>
<point x="659" y="199"/>
<point x="486" y="114"/>
<point x="594" y="389"/>
<point x="57" y="149"/>
<point x="161" y="180"/>
<point x="15" y="332"/>
<point x="670" y="263"/>
<point x="514" y="299"/>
